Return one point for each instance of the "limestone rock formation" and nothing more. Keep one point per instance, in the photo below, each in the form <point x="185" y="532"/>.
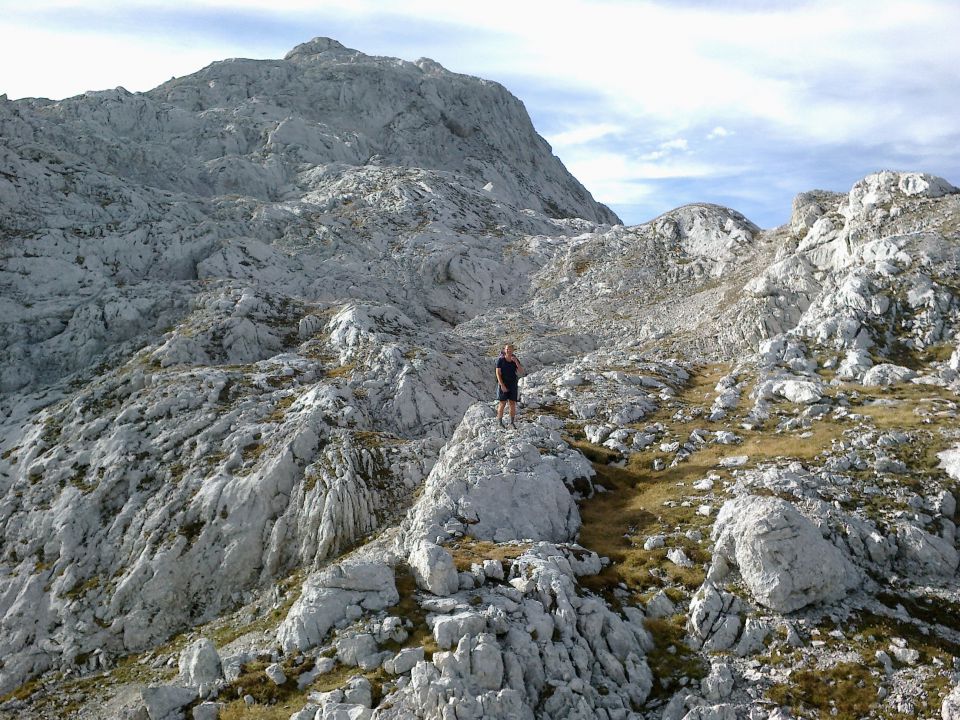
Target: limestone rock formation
<point x="248" y="448"/>
<point x="783" y="559"/>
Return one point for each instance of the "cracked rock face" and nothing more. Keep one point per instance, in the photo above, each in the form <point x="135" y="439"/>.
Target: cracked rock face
<point x="501" y="487"/>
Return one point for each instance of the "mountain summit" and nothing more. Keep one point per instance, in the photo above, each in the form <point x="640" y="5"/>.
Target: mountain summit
<point x="249" y="461"/>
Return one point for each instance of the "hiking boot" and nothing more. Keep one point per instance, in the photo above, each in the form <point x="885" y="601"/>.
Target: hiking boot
<point x="500" y="420"/>
<point x="513" y="425"/>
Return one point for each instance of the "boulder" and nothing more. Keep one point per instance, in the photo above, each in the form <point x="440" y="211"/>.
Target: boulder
<point x="448" y="629"/>
<point x="714" y="618"/>
<point x="433" y="569"/>
<point x="207" y="711"/>
<point x="923" y="554"/>
<point x="200" y="663"/>
<point x="799" y="391"/>
<point x="718" y="684"/>
<point x="854" y="364"/>
<point x="166" y="702"/>
<point x="334" y="593"/>
<point x="783" y="558"/>
<point x="403" y="661"/>
<point x="886" y="374"/>
<point x="500" y="491"/>
<point x="950" y="462"/>
<point x="355" y="649"/>
<point x="275" y="674"/>
<point x="660" y="605"/>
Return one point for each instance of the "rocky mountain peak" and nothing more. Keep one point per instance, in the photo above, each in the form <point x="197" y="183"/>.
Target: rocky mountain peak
<point x="317" y="46"/>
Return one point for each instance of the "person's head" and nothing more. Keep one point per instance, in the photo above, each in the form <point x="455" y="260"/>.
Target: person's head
<point x="508" y="350"/>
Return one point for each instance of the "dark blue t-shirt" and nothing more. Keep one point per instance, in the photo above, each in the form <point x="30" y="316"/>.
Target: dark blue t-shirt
<point x="508" y="371"/>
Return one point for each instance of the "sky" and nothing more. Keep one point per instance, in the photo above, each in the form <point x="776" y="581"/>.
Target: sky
<point x="650" y="104"/>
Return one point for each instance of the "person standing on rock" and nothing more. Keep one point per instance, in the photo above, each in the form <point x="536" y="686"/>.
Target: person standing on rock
<point x="508" y="378"/>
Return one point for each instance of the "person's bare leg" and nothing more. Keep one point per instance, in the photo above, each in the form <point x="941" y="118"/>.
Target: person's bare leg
<point x="513" y="411"/>
<point x="503" y="404"/>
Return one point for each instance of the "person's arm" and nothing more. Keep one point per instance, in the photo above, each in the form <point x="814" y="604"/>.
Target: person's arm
<point x="503" y="385"/>
<point x="516" y="361"/>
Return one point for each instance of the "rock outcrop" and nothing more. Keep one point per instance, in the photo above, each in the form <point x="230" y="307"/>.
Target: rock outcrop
<point x="782" y="557"/>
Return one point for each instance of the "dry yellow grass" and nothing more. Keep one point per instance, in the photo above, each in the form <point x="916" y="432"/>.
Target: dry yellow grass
<point x="340" y="370"/>
<point x="467" y="550"/>
<point x="239" y="710"/>
<point x="847" y="691"/>
<point x="641" y="501"/>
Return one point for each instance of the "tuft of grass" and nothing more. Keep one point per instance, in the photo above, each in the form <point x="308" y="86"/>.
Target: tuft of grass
<point x="177" y="471"/>
<point x="81" y="589"/>
<point x="279" y="411"/>
<point x="253" y="451"/>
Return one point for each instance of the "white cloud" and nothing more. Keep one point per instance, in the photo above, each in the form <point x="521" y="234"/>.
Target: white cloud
<point x="620" y="179"/>
<point x="718" y="132"/>
<point x="73" y="63"/>
<point x="666" y="149"/>
<point x="583" y="134"/>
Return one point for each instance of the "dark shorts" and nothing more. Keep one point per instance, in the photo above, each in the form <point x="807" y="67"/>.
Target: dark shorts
<point x="510" y="393"/>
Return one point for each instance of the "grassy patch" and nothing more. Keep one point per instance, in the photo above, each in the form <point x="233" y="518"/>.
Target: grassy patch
<point x="876" y="631"/>
<point x="559" y="409"/>
<point x="239" y="710"/>
<point x="596" y="453"/>
<point x="253" y="681"/>
<point x="933" y="610"/>
<point x="616" y="522"/>
<point x="341" y="674"/>
<point x="340" y="371"/>
<point x="847" y="691"/>
<point x="375" y="439"/>
<point x="408" y="608"/>
<point x="671" y="658"/>
<point x="467" y="550"/>
<point x="23" y="692"/>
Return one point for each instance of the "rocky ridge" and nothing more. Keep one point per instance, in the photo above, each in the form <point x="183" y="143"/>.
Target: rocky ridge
<point x="248" y="465"/>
